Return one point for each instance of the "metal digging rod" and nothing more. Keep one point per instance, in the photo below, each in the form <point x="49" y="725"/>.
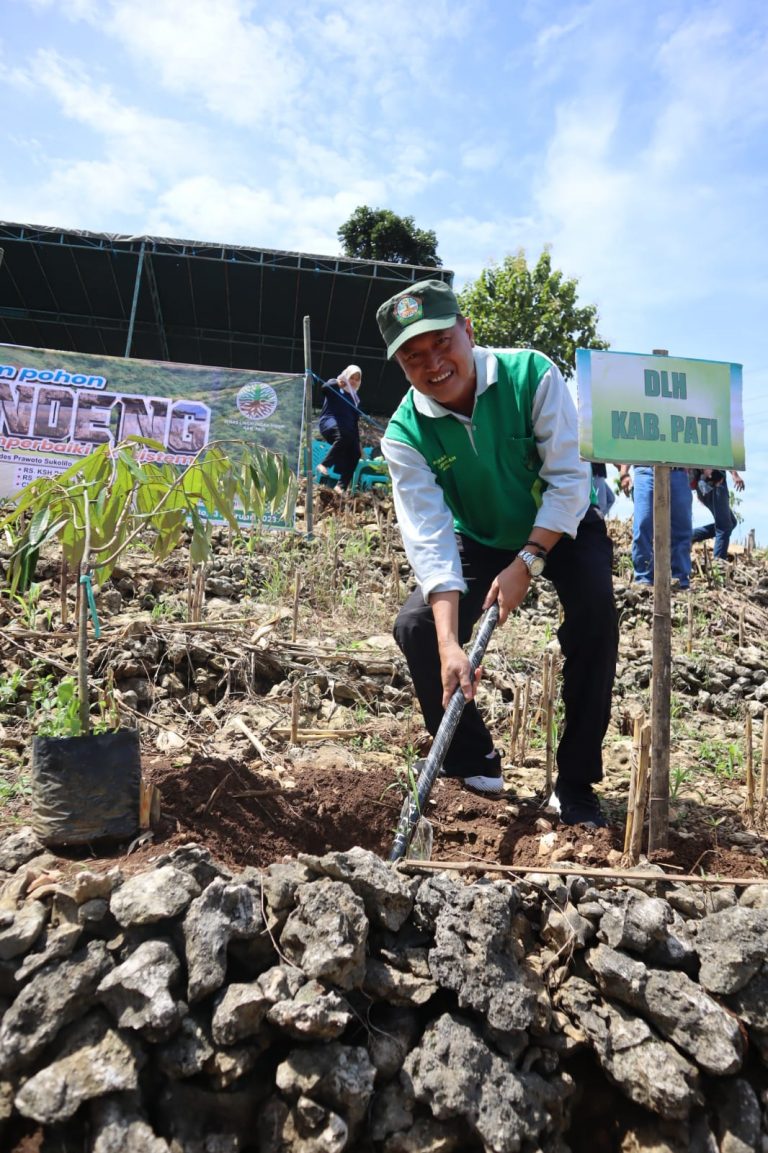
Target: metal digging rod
<point x="415" y="803"/>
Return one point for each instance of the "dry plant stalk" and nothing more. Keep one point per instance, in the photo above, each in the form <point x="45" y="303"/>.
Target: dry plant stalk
<point x="395" y="581"/>
<point x="195" y="591"/>
<point x="763" y="773"/>
<point x="742" y="618"/>
<point x="689" y="642"/>
<point x="749" y="803"/>
<point x="388" y="534"/>
<point x="336" y="568"/>
<point x="641" y="795"/>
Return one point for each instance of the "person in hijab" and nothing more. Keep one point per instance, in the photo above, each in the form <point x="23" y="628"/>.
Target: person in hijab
<point x="339" y="426"/>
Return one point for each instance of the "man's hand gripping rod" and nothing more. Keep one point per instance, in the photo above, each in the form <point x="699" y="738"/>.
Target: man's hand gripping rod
<point x="415" y="802"/>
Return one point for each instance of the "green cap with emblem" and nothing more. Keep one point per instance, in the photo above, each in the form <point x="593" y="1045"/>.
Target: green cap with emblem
<point x="423" y="307"/>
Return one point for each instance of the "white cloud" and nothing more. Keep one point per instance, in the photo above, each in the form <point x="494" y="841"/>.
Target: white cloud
<point x="550" y="34"/>
<point x="245" y="72"/>
<point x="480" y="157"/>
<point x="207" y="208"/>
<point x="474" y="243"/>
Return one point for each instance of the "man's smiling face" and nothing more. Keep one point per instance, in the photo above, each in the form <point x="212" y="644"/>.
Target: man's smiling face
<point x="440" y="364"/>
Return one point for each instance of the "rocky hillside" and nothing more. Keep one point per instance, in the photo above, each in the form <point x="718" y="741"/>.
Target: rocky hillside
<point x="248" y="973"/>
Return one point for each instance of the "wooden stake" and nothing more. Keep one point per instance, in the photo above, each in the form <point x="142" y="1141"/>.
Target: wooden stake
<point x="742" y="615"/>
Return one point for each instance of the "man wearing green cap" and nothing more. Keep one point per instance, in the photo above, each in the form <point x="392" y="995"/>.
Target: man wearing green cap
<point x="491" y="494"/>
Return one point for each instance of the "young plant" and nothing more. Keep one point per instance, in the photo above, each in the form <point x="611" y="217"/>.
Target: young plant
<point x="104" y="503"/>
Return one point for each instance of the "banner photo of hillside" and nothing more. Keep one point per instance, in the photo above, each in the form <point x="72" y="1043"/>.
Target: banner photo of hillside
<point x="56" y="406"/>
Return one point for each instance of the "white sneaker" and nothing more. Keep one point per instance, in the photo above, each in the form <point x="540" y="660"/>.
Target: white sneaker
<point x="553" y="804"/>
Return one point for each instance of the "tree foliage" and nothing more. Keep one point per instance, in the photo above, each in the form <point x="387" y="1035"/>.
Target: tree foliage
<point x="514" y="306"/>
<point x="378" y="234"/>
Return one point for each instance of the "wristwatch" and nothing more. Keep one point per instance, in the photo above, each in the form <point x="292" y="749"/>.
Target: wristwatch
<point x="535" y="564"/>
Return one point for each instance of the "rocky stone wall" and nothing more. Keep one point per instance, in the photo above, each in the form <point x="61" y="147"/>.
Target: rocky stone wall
<point x="337" y="1003"/>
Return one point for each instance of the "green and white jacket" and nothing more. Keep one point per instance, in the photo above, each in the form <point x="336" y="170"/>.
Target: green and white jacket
<point x="513" y="464"/>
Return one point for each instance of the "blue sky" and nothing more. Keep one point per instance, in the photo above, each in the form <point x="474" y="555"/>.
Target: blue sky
<point x="631" y="138"/>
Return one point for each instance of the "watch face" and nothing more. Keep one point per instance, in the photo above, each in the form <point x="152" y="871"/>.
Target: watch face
<point x="533" y="562"/>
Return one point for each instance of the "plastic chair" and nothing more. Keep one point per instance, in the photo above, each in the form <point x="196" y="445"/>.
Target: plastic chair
<point x="369" y="473"/>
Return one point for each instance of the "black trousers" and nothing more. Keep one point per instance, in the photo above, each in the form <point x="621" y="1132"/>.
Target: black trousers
<point x="580" y="570"/>
<point x="344" y="452"/>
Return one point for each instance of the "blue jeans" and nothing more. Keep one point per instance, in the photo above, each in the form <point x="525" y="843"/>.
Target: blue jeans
<point x="716" y="498"/>
<point x="680" y="529"/>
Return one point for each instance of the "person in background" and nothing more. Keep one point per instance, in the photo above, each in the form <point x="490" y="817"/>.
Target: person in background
<point x="681" y="527"/>
<point x="339" y="426"/>
<point x="491" y="494"/>
<point x="711" y="487"/>
<point x="605" y="494"/>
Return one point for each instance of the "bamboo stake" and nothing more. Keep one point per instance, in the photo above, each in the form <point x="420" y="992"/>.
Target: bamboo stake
<point x="564" y="869"/>
<point x="302" y="735"/>
<point x="190" y="582"/>
<point x="515" y="721"/>
<point x="295" y="617"/>
<point x="295" y="705"/>
<point x="635" y="762"/>
<point x="641" y="794"/>
<point x="524" y="723"/>
<point x="763" y="772"/>
<point x="239" y="723"/>
<point x="541" y="709"/>
<point x="549" y="717"/>
<point x="749" y="804"/>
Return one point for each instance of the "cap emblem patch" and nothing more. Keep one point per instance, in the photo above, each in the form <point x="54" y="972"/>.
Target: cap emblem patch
<point x="408" y="309"/>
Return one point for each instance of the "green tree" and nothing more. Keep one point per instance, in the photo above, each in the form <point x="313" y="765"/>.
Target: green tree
<point x="378" y="234"/>
<point x="514" y="306"/>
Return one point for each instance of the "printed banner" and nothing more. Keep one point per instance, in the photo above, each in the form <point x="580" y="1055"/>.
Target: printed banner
<point x="636" y="409"/>
<point x="56" y="406"/>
